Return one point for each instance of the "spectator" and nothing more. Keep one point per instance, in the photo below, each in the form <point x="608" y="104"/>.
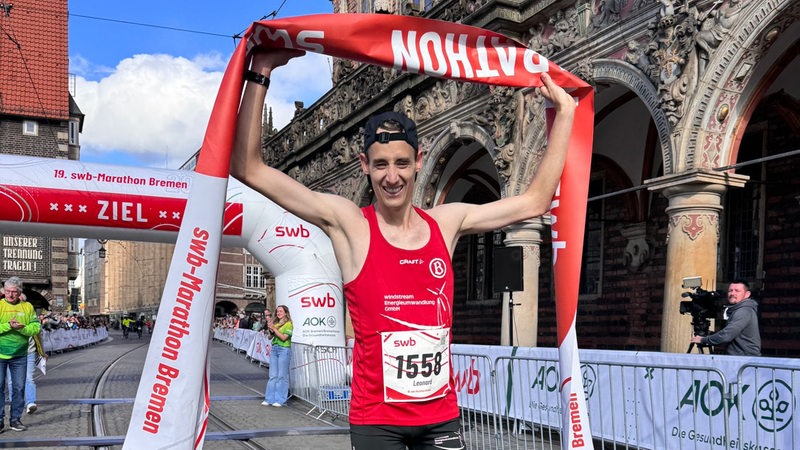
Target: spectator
<point x="50" y="321"/>
<point x="244" y="321"/>
<point x="277" y="391"/>
<point x="18" y="322"/>
<point x="256" y="322"/>
<point x="741" y="331"/>
<point x="266" y="323"/>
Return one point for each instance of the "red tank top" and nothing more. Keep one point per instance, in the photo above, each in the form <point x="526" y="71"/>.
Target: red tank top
<point x="401" y="306"/>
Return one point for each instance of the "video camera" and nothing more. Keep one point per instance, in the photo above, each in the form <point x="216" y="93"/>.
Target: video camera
<point x="704" y="305"/>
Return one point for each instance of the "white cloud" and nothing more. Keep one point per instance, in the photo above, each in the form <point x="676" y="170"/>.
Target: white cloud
<point x="156" y="107"/>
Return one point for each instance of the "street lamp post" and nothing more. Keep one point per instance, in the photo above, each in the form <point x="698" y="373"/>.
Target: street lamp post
<point x="102" y="252"/>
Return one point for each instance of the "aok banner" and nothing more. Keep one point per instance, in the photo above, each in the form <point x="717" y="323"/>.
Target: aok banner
<point x="644" y="399"/>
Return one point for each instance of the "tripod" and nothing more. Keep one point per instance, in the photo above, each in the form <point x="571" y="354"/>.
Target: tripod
<point x="700" y="348"/>
<point x="700" y="327"/>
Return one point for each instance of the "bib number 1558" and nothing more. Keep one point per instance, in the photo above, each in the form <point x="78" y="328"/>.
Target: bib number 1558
<point x="424" y="365"/>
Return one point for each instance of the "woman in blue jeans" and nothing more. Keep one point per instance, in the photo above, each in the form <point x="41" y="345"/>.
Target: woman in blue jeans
<point x="277" y="391"/>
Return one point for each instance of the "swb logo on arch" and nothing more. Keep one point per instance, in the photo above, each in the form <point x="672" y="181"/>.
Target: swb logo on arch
<point x="292" y="231"/>
<point x="326" y="301"/>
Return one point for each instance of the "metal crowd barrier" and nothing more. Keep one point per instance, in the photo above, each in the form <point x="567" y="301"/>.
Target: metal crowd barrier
<point x="617" y="393"/>
<point x="254" y="344"/>
<point x="513" y="402"/>
<point x="320" y="376"/>
<point x="303" y="382"/>
<point x="773" y="392"/>
<point x="480" y="425"/>
<point x="60" y="339"/>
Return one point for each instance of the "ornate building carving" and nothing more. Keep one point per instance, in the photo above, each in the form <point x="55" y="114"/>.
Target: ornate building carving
<point x="691" y="66"/>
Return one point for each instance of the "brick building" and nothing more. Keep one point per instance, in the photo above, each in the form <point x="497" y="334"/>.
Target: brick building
<point x="38" y="117"/>
<point x="130" y="278"/>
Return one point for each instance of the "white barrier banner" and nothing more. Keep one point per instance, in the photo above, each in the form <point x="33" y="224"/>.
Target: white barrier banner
<point x="260" y="348"/>
<point x="60" y="339"/>
<point x="57" y="339"/>
<point x="224" y="335"/>
<point x="47" y="342"/>
<point x="648" y="399"/>
<point x="244" y="338"/>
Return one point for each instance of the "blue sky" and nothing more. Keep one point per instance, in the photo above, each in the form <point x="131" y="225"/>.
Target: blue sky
<point x="147" y="73"/>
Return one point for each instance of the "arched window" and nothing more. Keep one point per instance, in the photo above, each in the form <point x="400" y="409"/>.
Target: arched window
<point x="592" y="267"/>
<point x="744" y="222"/>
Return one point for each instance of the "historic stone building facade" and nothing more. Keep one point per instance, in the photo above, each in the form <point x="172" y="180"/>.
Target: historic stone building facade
<point x="695" y="151"/>
<point x="38" y="117"/>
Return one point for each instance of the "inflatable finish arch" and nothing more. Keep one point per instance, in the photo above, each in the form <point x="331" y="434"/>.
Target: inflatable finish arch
<point x="51" y="197"/>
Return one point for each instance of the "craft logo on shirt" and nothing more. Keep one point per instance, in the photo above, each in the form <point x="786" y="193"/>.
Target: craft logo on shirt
<point x="412" y="261"/>
<point x="438" y="267"/>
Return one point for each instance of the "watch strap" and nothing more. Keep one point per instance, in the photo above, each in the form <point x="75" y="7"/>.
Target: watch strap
<point x="256" y="77"/>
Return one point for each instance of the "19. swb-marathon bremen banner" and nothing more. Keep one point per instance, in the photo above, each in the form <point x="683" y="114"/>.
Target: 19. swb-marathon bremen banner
<point x="416" y="45"/>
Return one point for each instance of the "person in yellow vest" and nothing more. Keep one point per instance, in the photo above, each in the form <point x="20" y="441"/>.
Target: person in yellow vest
<point x="18" y="322"/>
<point x="35" y="354"/>
<point x="126" y="326"/>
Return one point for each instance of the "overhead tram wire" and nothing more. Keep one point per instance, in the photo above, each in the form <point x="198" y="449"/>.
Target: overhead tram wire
<point x="150" y="25"/>
<point x="235" y="37"/>
<point x="786" y="154"/>
<point x="271" y="15"/>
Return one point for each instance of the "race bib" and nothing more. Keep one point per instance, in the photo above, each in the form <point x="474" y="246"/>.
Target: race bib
<point x="416" y="365"/>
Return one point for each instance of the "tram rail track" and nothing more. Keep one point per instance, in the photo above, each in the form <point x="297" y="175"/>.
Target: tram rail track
<point x="97" y="422"/>
<point x="95" y="375"/>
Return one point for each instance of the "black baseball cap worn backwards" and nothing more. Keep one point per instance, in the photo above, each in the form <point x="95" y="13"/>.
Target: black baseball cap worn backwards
<point x="408" y="134"/>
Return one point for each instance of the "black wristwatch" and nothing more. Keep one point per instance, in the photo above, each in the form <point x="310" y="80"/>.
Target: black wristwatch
<point x="256" y="77"/>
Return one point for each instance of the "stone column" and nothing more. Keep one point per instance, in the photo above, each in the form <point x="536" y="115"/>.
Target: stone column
<point x="527" y="235"/>
<point x="695" y="202"/>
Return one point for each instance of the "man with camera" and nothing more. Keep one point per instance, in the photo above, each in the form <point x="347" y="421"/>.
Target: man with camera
<point x="741" y="329"/>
